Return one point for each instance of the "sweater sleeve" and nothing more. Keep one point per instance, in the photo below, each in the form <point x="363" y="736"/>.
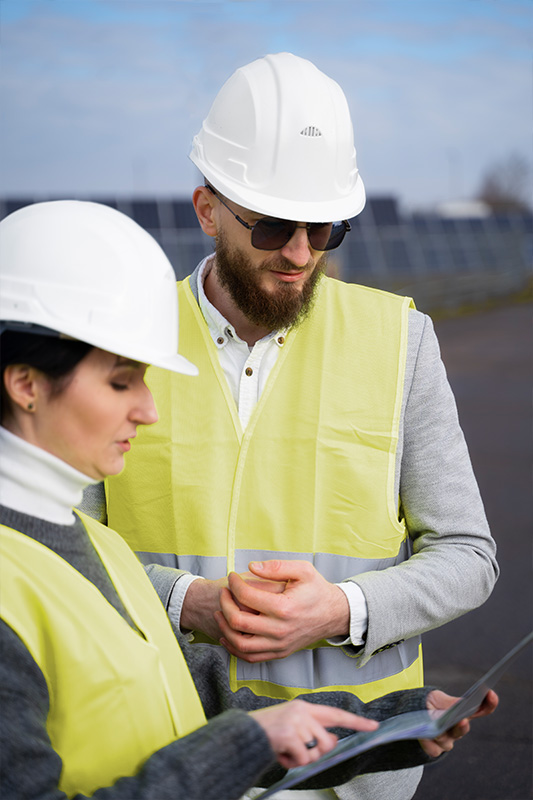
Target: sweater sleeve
<point x="209" y="671"/>
<point x="221" y="759"/>
<point x="452" y="568"/>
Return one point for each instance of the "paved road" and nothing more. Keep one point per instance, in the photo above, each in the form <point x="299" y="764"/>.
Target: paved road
<point x="488" y="356"/>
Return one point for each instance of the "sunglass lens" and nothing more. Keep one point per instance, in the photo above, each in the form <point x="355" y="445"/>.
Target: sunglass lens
<point x="319" y="234"/>
<point x="270" y="233"/>
<point x="326" y="236"/>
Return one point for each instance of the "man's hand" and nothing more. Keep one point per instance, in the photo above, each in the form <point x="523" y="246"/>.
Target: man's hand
<point x="439" y="701"/>
<point x="201" y="601"/>
<point x="278" y="624"/>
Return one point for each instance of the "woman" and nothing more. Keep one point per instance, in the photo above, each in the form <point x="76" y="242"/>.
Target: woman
<point x="97" y="697"/>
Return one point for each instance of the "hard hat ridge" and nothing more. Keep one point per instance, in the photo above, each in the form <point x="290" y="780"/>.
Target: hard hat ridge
<point x="278" y="140"/>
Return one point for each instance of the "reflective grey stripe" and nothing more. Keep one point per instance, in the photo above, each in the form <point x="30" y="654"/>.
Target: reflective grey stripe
<point x="321" y="666"/>
<point x="330" y="666"/>
<point x="334" y="568"/>
<point x="211" y="567"/>
<point x="324" y="666"/>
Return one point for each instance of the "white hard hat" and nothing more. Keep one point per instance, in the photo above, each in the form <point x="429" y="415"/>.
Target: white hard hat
<point x="89" y="272"/>
<point x="278" y="140"/>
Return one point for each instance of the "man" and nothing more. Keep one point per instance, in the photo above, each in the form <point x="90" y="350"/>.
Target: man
<point x="325" y="451"/>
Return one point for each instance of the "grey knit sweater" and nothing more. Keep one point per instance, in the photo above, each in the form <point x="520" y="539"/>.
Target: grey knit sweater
<point x="217" y="762"/>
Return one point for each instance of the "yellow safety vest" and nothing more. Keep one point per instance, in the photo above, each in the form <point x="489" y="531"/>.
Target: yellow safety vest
<point x="311" y="477"/>
<point x="116" y="695"/>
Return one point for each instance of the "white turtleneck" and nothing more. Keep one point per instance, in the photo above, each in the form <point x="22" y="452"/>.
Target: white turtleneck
<point x="38" y="483"/>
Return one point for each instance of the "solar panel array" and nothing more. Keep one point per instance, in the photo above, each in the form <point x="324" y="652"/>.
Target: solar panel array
<point x="411" y="253"/>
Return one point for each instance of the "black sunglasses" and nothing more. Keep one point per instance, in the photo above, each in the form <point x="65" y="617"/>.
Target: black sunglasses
<point x="271" y="233"/>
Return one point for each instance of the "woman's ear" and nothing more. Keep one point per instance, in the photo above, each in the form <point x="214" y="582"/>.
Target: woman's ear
<point x="22" y="385"/>
<point x="204" y="205"/>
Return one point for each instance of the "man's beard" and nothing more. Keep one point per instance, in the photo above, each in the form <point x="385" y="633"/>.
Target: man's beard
<point x="284" y="307"/>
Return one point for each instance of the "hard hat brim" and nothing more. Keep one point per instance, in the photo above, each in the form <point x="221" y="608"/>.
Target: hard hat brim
<point x="297" y="210"/>
<point x="176" y="363"/>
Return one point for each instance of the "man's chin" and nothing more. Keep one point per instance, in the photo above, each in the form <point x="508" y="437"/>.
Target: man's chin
<point x="279" y="289"/>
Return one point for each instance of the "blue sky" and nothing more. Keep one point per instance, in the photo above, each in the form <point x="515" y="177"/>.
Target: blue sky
<point x="103" y="97"/>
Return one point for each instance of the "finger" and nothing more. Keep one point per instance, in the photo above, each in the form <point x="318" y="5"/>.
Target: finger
<point x="459" y="730"/>
<point x="489" y="704"/>
<point x="251" y="648"/>
<point x="439" y="701"/>
<point x="445" y="742"/>
<point x="251" y="658"/>
<point x="244" y="645"/>
<point x="325" y="741"/>
<point x="299" y="754"/>
<point x="266" y="584"/>
<point x="296" y="755"/>
<point x="242" y="618"/>
<point x="253" y="597"/>
<point x="331" y="717"/>
<point x="291" y="750"/>
<point x="280" y="570"/>
<point x="431" y="747"/>
<point x="236" y="625"/>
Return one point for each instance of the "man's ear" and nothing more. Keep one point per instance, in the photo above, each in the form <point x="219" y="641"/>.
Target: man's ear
<point x="22" y="384"/>
<point x="204" y="205"/>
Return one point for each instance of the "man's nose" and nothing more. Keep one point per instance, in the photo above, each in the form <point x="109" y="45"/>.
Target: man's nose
<point x="297" y="249"/>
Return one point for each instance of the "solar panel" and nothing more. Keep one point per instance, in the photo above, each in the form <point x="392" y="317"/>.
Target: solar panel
<point x="145" y="213"/>
<point x="13" y="204"/>
<point x="382" y="246"/>
<point x="384" y="210"/>
<point x="185" y="215"/>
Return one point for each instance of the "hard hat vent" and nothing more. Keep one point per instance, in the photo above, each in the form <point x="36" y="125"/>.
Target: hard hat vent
<point x="311" y="130"/>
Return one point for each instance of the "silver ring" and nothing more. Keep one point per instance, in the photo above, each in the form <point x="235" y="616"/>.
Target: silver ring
<point x="311" y="744"/>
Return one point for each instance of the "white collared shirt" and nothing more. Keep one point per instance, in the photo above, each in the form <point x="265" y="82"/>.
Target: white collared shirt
<point x="247" y="369"/>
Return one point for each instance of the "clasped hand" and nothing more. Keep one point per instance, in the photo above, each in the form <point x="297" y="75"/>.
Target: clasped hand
<point x="299" y="608"/>
<point x="259" y="625"/>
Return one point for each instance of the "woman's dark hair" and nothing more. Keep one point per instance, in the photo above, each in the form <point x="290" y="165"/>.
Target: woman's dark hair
<point x="54" y="357"/>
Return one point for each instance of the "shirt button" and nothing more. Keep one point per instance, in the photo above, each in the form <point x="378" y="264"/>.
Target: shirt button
<point x="220" y="340"/>
<point x="249" y="371"/>
<point x="281" y="339"/>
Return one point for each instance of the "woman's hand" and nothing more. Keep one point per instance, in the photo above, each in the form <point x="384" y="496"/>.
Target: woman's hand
<point x="439" y="701"/>
<point x="289" y="726"/>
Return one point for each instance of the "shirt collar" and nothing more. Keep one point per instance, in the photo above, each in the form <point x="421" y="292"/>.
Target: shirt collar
<point x="220" y="329"/>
